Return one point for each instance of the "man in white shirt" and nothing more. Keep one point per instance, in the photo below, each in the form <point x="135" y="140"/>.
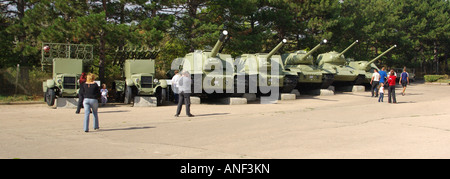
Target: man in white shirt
<point x="175" y="79"/>
<point x="184" y="89"/>
<point x="374" y="82"/>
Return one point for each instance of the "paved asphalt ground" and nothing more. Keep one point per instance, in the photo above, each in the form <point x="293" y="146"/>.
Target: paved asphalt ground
<point x="346" y="125"/>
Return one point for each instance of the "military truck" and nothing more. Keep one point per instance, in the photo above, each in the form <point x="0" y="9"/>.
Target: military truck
<point x="138" y="75"/>
<point x="211" y="71"/>
<point x="67" y="61"/>
<point x="366" y="68"/>
<point x="309" y="75"/>
<point x="258" y="71"/>
<point x="336" y="63"/>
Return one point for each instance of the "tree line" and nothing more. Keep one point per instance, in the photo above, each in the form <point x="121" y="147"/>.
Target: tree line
<point x="420" y="29"/>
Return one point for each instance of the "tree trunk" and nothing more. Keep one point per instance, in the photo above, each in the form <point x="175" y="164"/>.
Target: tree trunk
<point x="22" y="37"/>
<point x="101" y="62"/>
<point x="435" y="55"/>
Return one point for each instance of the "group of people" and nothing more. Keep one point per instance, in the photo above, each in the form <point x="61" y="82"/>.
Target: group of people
<point x="381" y="80"/>
<point x="181" y="86"/>
<point x="88" y="98"/>
<point x="90" y="92"/>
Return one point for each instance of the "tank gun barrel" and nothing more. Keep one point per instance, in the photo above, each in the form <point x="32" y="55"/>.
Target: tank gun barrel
<point x="384" y="53"/>
<point x="376" y="58"/>
<point x="348" y="48"/>
<point x="275" y="50"/>
<point x="324" y="41"/>
<point x="219" y="43"/>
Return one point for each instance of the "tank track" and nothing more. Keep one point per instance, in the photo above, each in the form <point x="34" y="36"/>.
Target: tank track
<point x="290" y="82"/>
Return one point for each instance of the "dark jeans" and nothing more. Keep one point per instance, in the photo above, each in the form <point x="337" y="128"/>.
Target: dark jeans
<point x="186" y="98"/>
<point x="80" y="103"/>
<point x="391" y="93"/>
<point x="175" y="97"/>
<point x="381" y="97"/>
<point x="375" y="88"/>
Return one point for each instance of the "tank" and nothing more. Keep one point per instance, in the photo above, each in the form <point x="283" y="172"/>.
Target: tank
<point x="138" y="75"/>
<point x="336" y="63"/>
<point x="67" y="62"/>
<point x="309" y="75"/>
<point x="367" y="67"/>
<point x="265" y="71"/>
<point x="212" y="72"/>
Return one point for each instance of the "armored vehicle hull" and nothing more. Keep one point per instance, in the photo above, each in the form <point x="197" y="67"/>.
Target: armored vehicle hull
<point x="263" y="72"/>
<point x="366" y="68"/>
<point x="336" y="63"/>
<point x="309" y="76"/>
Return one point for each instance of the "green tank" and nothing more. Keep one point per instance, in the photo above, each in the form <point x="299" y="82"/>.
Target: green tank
<point x="336" y="63"/>
<point x="67" y="62"/>
<point x="211" y="71"/>
<point x="309" y="75"/>
<point x="367" y="67"/>
<point x="264" y="71"/>
<point x="138" y="75"/>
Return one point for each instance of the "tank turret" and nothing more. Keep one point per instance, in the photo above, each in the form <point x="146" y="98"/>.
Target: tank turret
<point x="258" y="66"/>
<point x="334" y="57"/>
<point x="301" y="57"/>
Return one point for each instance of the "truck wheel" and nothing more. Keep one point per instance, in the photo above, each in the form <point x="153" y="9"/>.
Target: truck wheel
<point x="50" y="97"/>
<point x="128" y="95"/>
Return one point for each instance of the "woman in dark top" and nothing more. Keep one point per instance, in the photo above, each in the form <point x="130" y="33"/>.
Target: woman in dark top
<point x="80" y="95"/>
<point x="91" y="93"/>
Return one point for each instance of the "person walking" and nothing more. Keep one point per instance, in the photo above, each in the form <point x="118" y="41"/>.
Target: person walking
<point x="184" y="88"/>
<point x="391" y="89"/>
<point x="91" y="92"/>
<point x="175" y="79"/>
<point x="404" y="80"/>
<point x="383" y="76"/>
<point x="81" y="81"/>
<point x="374" y="82"/>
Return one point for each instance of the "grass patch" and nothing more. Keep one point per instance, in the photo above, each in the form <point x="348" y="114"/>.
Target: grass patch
<point x="20" y="98"/>
<point x="436" y="78"/>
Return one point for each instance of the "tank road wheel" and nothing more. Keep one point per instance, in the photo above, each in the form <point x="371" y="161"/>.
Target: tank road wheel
<point x="128" y="95"/>
<point x="50" y="97"/>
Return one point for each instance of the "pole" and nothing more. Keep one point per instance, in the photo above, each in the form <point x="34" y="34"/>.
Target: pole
<point x="17" y="79"/>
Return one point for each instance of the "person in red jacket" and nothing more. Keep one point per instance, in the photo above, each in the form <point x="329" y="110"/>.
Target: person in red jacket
<point x="391" y="89"/>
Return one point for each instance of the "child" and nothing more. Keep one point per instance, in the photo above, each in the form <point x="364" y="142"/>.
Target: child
<point x="381" y="92"/>
<point x="105" y="95"/>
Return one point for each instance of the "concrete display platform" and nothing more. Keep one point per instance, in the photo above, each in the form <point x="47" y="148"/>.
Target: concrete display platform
<point x="321" y="92"/>
<point x="145" y="101"/>
<point x="233" y="101"/>
<point x="358" y="88"/>
<point x="69" y="103"/>
<point x="195" y="100"/>
<point x="287" y="96"/>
